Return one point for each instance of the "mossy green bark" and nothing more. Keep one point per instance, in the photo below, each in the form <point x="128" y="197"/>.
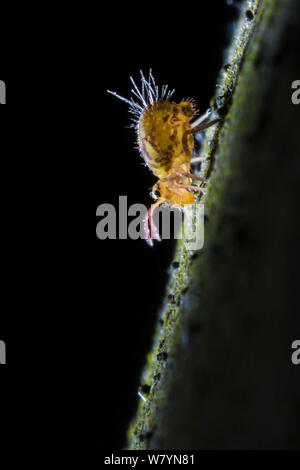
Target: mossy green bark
<point x="219" y="374"/>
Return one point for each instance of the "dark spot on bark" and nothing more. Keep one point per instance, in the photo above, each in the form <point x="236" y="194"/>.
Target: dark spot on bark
<point x="165" y="118"/>
<point x="162" y="356"/>
<point x="175" y="110"/>
<point x="219" y="100"/>
<point x="157" y="378"/>
<point x="175" y="264"/>
<point x="223" y="103"/>
<point x="249" y="15"/>
<point x="226" y="67"/>
<point x="222" y="111"/>
<point x="145" y="388"/>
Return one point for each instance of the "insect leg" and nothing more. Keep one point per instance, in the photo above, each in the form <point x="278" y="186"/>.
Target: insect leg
<point x="191" y="175"/>
<point x="149" y="227"/>
<point x="189" y="187"/>
<point x="200" y="119"/>
<point x="197" y="160"/>
<point x="173" y="183"/>
<point x="204" y="126"/>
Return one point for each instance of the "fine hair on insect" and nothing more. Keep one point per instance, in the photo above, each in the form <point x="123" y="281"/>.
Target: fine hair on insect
<point x="165" y="137"/>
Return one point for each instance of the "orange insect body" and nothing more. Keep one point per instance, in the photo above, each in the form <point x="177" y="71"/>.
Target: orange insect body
<point x="166" y="142"/>
<point x="167" y="148"/>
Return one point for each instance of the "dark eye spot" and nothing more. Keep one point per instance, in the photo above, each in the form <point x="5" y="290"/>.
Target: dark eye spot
<point x="187" y="110"/>
<point x="156" y="193"/>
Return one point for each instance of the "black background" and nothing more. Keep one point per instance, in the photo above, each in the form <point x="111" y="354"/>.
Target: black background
<point x="79" y="339"/>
